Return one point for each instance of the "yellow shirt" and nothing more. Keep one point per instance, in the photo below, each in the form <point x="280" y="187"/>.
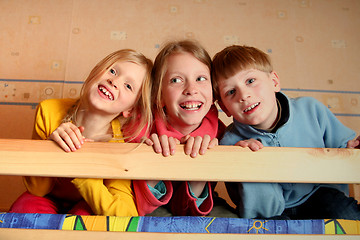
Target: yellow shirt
<point x="111" y="197"/>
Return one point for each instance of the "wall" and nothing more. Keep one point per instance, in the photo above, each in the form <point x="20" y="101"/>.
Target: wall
<point x="47" y="48"/>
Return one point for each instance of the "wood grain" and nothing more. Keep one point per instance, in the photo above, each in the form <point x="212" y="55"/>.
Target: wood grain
<point x="222" y="163"/>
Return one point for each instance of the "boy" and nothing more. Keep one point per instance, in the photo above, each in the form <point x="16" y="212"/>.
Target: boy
<point x="248" y="89"/>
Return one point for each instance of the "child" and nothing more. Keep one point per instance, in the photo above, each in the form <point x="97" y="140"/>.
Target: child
<point x="184" y="112"/>
<point x="249" y="90"/>
<point x="112" y="98"/>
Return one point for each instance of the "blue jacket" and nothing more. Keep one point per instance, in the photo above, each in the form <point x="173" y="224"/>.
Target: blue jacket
<point x="308" y="124"/>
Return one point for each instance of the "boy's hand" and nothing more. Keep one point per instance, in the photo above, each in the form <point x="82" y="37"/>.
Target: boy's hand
<point x="163" y="144"/>
<point x="68" y="136"/>
<point x="195" y="145"/>
<point x="253" y="144"/>
<point x="355" y="143"/>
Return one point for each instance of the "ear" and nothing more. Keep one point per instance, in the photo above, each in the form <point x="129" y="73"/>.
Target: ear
<point x="275" y="78"/>
<point x="127" y="113"/>
<point x="221" y="104"/>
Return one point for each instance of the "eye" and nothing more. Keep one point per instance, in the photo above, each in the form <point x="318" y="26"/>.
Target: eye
<point x="230" y="92"/>
<point x="251" y="80"/>
<point x="112" y="71"/>
<point x="175" y="80"/>
<point x="200" y="79"/>
<point x="128" y="86"/>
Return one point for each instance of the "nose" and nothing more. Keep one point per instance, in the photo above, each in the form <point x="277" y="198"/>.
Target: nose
<point x="243" y="95"/>
<point x="112" y="83"/>
<point x="190" y="88"/>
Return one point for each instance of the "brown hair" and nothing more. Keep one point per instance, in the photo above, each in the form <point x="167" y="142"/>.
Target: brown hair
<point x="233" y="59"/>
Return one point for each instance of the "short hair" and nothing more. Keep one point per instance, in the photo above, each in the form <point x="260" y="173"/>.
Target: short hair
<point x="160" y="66"/>
<point x="233" y="59"/>
<point x="141" y="113"/>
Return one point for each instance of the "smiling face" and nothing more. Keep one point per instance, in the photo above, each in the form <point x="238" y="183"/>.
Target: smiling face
<point x="186" y="92"/>
<point x="117" y="89"/>
<point x="249" y="96"/>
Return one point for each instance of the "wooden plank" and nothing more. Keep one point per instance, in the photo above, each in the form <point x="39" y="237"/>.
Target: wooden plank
<point x="33" y="234"/>
<point x="223" y="163"/>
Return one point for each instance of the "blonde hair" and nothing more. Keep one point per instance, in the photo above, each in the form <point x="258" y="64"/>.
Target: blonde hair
<point x="234" y="59"/>
<point x="160" y="67"/>
<point x="141" y="115"/>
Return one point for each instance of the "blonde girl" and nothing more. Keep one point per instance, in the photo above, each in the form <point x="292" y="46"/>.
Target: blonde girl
<point x="184" y="113"/>
<point x="114" y="100"/>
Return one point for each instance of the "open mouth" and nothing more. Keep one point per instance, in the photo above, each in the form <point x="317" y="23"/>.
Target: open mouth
<point x="106" y="92"/>
<point x="191" y="106"/>
<point x="251" y="107"/>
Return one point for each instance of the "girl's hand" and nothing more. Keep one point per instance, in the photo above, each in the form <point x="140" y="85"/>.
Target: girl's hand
<point x="68" y="136"/>
<point x="198" y="145"/>
<point x="163" y="144"/>
<point x="253" y="144"/>
<point x="355" y="143"/>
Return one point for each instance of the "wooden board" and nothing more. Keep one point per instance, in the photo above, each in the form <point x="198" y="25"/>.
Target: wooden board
<point x="223" y="163"/>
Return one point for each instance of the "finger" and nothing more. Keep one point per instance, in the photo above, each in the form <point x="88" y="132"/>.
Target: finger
<point x="148" y="142"/>
<point x="78" y="131"/>
<point x="172" y="145"/>
<point x="71" y="137"/>
<point x="75" y="134"/>
<point x="184" y="139"/>
<point x="196" y="146"/>
<point x="204" y="144"/>
<point x="66" y="138"/>
<point x="188" y="145"/>
<point x="164" y="141"/>
<point x="243" y="144"/>
<point x="81" y="128"/>
<point x="214" y="142"/>
<point x="56" y="138"/>
<point x="253" y="146"/>
<point x="352" y="144"/>
<point x="156" y="142"/>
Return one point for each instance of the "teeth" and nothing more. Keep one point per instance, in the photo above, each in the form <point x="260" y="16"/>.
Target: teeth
<point x="106" y="92"/>
<point x="190" y="106"/>
<point x="251" y="107"/>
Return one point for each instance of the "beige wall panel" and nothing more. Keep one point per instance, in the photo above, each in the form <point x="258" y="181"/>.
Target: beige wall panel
<point x="16" y="121"/>
<point x="11" y="187"/>
<point x="329" y="45"/>
<point x="35" y="40"/>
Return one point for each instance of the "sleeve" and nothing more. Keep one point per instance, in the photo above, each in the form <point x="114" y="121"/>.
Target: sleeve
<point x="39" y="186"/>
<point x="184" y="204"/>
<point x="336" y="134"/>
<point x="107" y="197"/>
<point x="202" y="197"/>
<point x="40" y="131"/>
<point x="257" y="200"/>
<point x="159" y="190"/>
<point x="146" y="202"/>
